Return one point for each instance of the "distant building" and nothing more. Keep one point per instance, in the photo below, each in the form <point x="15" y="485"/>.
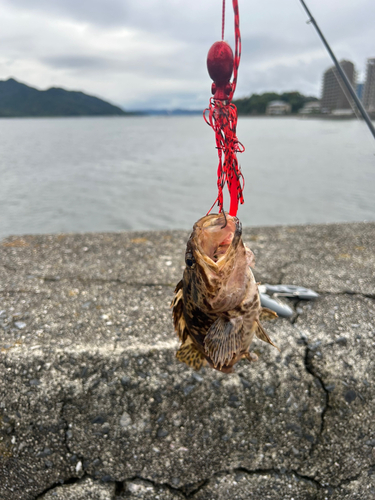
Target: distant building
<point x="342" y="112"/>
<point x="310" y="108"/>
<point x="278" y="108"/>
<point x="359" y="90"/>
<point x="369" y="90"/>
<point x="333" y="95"/>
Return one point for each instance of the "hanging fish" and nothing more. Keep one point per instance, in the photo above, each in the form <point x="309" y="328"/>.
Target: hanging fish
<point x="216" y="307"/>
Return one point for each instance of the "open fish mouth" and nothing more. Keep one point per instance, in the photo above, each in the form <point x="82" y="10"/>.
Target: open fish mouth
<point x="216" y="233"/>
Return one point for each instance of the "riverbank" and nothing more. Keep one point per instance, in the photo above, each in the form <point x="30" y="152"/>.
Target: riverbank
<point x="93" y="403"/>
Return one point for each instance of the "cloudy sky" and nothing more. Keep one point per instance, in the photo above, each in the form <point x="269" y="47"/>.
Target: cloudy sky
<point x="152" y="53"/>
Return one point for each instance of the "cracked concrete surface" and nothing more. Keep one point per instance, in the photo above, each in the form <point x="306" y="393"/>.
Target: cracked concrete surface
<point x="93" y="403"/>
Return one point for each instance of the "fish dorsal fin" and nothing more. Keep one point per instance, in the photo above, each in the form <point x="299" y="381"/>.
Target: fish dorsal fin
<point x="267" y="314"/>
<point x="190" y="355"/>
<point x="262" y="335"/>
<point x="223" y="340"/>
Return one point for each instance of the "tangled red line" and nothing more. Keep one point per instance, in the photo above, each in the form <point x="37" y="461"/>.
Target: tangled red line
<point x="222" y="118"/>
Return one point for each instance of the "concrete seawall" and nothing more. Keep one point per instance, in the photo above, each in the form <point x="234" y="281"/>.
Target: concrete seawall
<point x="94" y="405"/>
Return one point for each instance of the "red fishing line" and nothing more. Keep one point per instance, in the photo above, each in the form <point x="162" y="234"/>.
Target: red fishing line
<point x="222" y="115"/>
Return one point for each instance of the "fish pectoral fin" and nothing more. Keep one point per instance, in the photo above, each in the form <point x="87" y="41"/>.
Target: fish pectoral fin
<point x="267" y="314"/>
<point x="190" y="355"/>
<point x="223" y="340"/>
<point x="178" y="314"/>
<point x="262" y="335"/>
<point x="177" y="293"/>
<point x="179" y="286"/>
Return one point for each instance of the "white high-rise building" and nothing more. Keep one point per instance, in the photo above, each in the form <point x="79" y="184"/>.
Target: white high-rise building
<point x="369" y="90"/>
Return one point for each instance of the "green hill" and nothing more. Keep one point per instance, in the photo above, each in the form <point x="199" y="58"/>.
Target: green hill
<point x="256" y="104"/>
<point x="18" y="99"/>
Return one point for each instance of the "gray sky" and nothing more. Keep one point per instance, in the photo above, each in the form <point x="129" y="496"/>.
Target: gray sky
<point x="152" y="53"/>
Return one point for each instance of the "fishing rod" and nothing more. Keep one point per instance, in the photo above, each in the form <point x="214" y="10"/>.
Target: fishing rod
<point x="341" y="71"/>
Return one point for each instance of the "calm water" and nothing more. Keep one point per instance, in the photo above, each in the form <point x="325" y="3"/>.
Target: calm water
<point x="113" y="174"/>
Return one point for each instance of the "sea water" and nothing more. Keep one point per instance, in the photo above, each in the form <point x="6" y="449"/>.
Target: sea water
<point x="148" y="172"/>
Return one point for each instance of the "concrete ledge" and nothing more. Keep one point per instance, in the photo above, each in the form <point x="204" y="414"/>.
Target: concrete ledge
<point x="93" y="403"/>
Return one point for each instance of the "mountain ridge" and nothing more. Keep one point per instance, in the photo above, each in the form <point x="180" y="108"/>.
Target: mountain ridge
<point x="21" y="100"/>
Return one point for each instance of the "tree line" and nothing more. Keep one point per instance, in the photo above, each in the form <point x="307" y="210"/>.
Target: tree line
<point x="256" y="104"/>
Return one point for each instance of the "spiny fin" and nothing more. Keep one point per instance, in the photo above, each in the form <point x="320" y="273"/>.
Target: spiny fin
<point x="177" y="293"/>
<point x="223" y="340"/>
<point x="262" y="335"/>
<point x="267" y="314"/>
<point x="190" y="355"/>
<point x="179" y="322"/>
<point x="179" y="286"/>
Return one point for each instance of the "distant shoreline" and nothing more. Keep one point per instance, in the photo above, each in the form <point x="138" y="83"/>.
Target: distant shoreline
<point x="310" y="117"/>
<point x="142" y="114"/>
<point x="127" y="115"/>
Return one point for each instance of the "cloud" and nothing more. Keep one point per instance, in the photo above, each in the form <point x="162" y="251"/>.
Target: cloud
<point x="98" y="12"/>
<point x="152" y="53"/>
<point x="80" y="62"/>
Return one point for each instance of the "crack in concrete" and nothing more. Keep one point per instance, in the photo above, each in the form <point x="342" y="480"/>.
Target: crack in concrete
<point x="191" y="490"/>
<point x="307" y="361"/>
<point x="196" y="488"/>
<point x="66" y="426"/>
<point x="186" y="491"/>
<point x="309" y="479"/>
<point x="119" y="488"/>
<point x="62" y="482"/>
<point x="350" y="479"/>
<point x="119" y="485"/>
<point x="157" y="485"/>
<point x="254" y="472"/>
<point x="310" y="369"/>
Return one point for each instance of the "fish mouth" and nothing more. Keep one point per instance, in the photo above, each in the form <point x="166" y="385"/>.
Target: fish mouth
<point x="216" y="233"/>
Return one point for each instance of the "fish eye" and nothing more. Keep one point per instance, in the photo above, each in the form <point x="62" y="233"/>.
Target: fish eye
<point x="189" y="260"/>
